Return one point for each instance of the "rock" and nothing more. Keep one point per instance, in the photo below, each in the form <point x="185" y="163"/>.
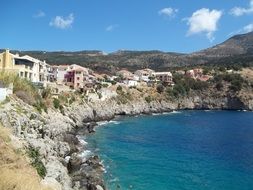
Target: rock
<point x="54" y="134"/>
<point x="99" y="187"/>
<point x="75" y="162"/>
<point x="51" y="183"/>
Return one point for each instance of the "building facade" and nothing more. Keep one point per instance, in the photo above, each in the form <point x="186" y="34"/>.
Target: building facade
<point x="165" y="77"/>
<point x="24" y="66"/>
<point x="76" y="77"/>
<point x="144" y="74"/>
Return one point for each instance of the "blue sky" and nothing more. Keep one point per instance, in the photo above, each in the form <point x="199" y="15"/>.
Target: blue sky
<point x="110" y="25"/>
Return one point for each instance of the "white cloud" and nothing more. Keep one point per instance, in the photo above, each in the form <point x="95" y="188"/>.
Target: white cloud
<point x="170" y="12"/>
<point x="204" y="21"/>
<point x="111" y="28"/>
<point x="61" y="22"/>
<point x="248" y="28"/>
<point x="239" y="11"/>
<point x="39" y="14"/>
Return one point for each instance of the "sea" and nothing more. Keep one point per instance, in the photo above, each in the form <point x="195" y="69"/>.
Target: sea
<point x="180" y="150"/>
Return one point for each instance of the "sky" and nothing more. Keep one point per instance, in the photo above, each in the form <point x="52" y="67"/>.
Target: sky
<point x="111" y="25"/>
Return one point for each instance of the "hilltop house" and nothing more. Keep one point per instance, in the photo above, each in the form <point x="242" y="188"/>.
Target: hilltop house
<point x="76" y="76"/>
<point x="165" y="77"/>
<point x="25" y="66"/>
<point x="144" y="74"/>
<point x="190" y="73"/>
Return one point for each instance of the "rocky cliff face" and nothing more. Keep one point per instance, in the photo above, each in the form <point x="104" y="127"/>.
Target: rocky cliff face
<point x="55" y="134"/>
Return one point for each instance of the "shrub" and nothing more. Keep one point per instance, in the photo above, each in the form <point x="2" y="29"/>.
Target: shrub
<point x="219" y="85"/>
<point x="15" y="171"/>
<point x="148" y="99"/>
<point x="46" y="93"/>
<point x="72" y="99"/>
<point x="23" y="88"/>
<point x="113" y="82"/>
<point x="236" y="81"/>
<point x="40" y="106"/>
<point x="119" y="88"/>
<point x="36" y="162"/>
<point x="160" y="88"/>
<point x="56" y="103"/>
<point x="105" y="85"/>
<point x="25" y="96"/>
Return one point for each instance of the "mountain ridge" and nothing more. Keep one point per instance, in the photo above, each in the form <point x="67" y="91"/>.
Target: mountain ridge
<point x="238" y="47"/>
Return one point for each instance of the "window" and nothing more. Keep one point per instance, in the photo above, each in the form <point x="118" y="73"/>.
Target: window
<point x="78" y="84"/>
<point x="78" y="78"/>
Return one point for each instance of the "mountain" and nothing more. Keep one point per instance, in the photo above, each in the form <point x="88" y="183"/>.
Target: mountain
<point x="236" y="45"/>
<point x="236" y="50"/>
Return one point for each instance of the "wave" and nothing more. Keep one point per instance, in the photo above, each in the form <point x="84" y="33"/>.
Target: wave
<point x="242" y="110"/>
<point x="114" y="122"/>
<point x="100" y="123"/>
<point x="114" y="180"/>
<point x="81" y="140"/>
<point x="85" y="154"/>
<point x="173" y="112"/>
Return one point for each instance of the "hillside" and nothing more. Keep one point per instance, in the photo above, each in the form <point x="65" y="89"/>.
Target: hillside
<point x="236" y="50"/>
<point x="16" y="172"/>
<point x="236" y="45"/>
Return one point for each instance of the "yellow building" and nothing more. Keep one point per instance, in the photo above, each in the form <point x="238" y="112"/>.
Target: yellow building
<point x="25" y="66"/>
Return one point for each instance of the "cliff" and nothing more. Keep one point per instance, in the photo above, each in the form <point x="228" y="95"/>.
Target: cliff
<point x="55" y="134"/>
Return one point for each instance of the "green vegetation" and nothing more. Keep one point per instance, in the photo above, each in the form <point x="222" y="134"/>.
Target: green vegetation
<point x="119" y="88"/>
<point x="24" y="89"/>
<point x="148" y="99"/>
<point x="36" y="162"/>
<point x="160" y="88"/>
<point x="183" y="85"/>
<point x="15" y="171"/>
<point x="56" y="103"/>
<point x="236" y="81"/>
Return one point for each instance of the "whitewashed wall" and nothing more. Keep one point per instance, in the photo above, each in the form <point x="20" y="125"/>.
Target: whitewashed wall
<point x="3" y="94"/>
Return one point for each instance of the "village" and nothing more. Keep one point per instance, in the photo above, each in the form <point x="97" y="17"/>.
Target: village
<point x="69" y="78"/>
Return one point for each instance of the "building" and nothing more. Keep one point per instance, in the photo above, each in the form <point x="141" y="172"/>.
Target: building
<point x="130" y="83"/>
<point x="190" y="73"/>
<point x="144" y="74"/>
<point x="198" y="72"/>
<point x="76" y="76"/>
<point x="59" y="72"/>
<point x="165" y="77"/>
<point x="5" y="91"/>
<point x="25" y="66"/>
<point x="180" y="72"/>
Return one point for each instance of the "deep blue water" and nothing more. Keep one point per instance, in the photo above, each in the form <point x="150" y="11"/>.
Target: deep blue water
<point x="189" y="150"/>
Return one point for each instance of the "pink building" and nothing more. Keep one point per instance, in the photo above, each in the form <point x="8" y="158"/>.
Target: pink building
<point x="76" y="76"/>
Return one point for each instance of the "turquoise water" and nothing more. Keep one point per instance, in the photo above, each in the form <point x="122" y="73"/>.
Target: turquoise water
<point x="188" y="150"/>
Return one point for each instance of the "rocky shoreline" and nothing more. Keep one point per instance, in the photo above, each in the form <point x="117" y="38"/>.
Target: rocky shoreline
<point x="55" y="134"/>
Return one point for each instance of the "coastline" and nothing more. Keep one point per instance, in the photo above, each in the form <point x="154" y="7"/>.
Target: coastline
<point x="55" y="135"/>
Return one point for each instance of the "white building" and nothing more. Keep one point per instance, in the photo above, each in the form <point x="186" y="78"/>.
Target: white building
<point x="5" y="91"/>
<point x="24" y="66"/>
<point x="130" y="83"/>
<point x="165" y="77"/>
<point x="59" y="72"/>
<point x="144" y="74"/>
